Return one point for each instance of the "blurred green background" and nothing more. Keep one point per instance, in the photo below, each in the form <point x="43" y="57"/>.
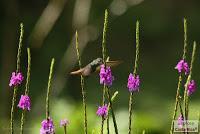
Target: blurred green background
<point x="49" y="32"/>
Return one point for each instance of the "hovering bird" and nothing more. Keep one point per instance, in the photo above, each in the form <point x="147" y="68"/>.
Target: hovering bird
<point x="94" y="66"/>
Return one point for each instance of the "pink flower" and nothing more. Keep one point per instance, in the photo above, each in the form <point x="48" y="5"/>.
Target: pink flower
<point x="24" y="103"/>
<point x="102" y="111"/>
<point x="47" y="127"/>
<point x="191" y="87"/>
<point x="106" y="75"/>
<point x="180" y="121"/>
<point x="64" y="122"/>
<point x="133" y="83"/>
<point x="16" y="79"/>
<point x="182" y="66"/>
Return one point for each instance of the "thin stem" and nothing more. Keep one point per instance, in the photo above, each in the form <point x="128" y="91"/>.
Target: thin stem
<point x="176" y="103"/>
<point x="104" y="60"/>
<point x="186" y="97"/>
<point x="12" y="110"/>
<point x="180" y="76"/>
<point x="198" y="121"/>
<point x="137" y="47"/>
<point x="28" y="72"/>
<point x="185" y="38"/>
<point x="22" y="121"/>
<point x="143" y="132"/>
<point x="16" y="87"/>
<point x="130" y="112"/>
<point x="135" y="73"/>
<point x="20" y="46"/>
<point x="65" y="130"/>
<point x="82" y="86"/>
<point x="112" y="99"/>
<point x="49" y="88"/>
<point x="108" y="128"/>
<point x="102" y="124"/>
<point x="112" y="111"/>
<point x="27" y="88"/>
<point x="104" y="36"/>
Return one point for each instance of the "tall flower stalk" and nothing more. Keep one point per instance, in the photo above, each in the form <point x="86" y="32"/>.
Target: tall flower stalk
<point x="16" y="86"/>
<point x="26" y="89"/>
<point x="177" y="101"/>
<point x="104" y="61"/>
<point x="82" y="86"/>
<point x="112" y="110"/>
<point x="47" y="126"/>
<point x="135" y="81"/>
<point x="49" y="89"/>
<point x="186" y="95"/>
<point x="106" y="78"/>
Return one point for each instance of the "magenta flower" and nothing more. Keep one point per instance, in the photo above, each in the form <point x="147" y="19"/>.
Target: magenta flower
<point x="47" y="127"/>
<point x="64" y="122"/>
<point x="106" y="75"/>
<point x="133" y="83"/>
<point x="24" y="103"/>
<point x="102" y="111"/>
<point x="180" y="121"/>
<point x="182" y="66"/>
<point x="16" y="79"/>
<point x="191" y="87"/>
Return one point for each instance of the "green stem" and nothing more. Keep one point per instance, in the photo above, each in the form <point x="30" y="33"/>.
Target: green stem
<point x="186" y="97"/>
<point x="176" y="104"/>
<point x="104" y="36"/>
<point x="108" y="129"/>
<point x="104" y="60"/>
<point x="185" y="38"/>
<point x="65" y="130"/>
<point x="82" y="86"/>
<point x="112" y="111"/>
<point x="180" y="76"/>
<point x="135" y="73"/>
<point x="27" y="88"/>
<point x="102" y="124"/>
<point x="49" y="88"/>
<point x="130" y="112"/>
<point x="16" y="87"/>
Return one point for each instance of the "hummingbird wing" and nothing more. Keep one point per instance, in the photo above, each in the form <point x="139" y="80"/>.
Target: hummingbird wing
<point x="111" y="64"/>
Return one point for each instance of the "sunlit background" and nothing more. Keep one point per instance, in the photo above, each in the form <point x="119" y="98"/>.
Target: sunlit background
<point x="49" y="32"/>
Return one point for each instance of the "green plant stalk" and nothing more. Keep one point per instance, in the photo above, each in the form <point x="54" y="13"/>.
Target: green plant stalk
<point x="180" y="77"/>
<point x="108" y="128"/>
<point x="65" y="130"/>
<point x="104" y="61"/>
<point x="198" y="121"/>
<point x="82" y="86"/>
<point x="102" y="124"/>
<point x="112" y="99"/>
<point x="26" y="89"/>
<point x="188" y="80"/>
<point x="186" y="97"/>
<point x="135" y="73"/>
<point x="16" y="87"/>
<point x="49" y="88"/>
<point x="112" y="110"/>
<point x="143" y="132"/>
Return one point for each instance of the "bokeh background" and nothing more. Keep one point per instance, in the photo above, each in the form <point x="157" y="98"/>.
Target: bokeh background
<point x="49" y="32"/>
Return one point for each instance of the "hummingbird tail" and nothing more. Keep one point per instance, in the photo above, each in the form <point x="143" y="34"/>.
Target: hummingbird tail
<point x="78" y="72"/>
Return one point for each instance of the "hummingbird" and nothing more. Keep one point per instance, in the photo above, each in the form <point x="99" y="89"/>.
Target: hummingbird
<point x="94" y="66"/>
